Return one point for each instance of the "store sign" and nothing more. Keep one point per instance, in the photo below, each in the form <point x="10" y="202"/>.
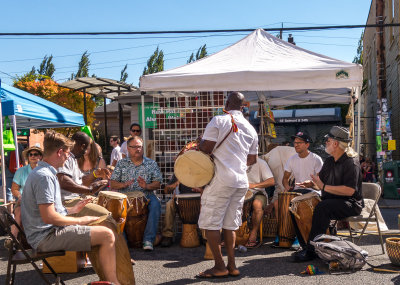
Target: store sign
<point x="23" y="132"/>
<point x="389" y="176"/>
<point x="152" y="110"/>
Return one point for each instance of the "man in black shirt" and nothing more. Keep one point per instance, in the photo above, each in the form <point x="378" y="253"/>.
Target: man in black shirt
<point x="340" y="181"/>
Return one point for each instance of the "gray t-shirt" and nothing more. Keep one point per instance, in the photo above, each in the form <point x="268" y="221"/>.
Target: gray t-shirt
<point x="41" y="187"/>
<point x="71" y="169"/>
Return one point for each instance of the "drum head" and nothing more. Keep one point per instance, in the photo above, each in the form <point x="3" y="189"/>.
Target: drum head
<point x="187" y="196"/>
<point x="135" y="194"/>
<point x="194" y="168"/>
<point x="112" y="194"/>
<point x="306" y="197"/>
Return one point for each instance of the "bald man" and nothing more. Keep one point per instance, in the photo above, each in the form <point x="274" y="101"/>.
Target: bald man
<point x="234" y="144"/>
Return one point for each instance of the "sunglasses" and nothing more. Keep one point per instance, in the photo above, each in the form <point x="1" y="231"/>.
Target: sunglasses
<point x="34" y="154"/>
<point x="135" y="146"/>
<point x="135" y="131"/>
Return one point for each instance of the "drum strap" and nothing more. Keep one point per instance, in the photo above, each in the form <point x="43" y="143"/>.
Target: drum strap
<point x="234" y="129"/>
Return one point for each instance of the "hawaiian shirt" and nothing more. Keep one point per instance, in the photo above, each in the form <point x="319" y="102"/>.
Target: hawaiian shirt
<point x="126" y="170"/>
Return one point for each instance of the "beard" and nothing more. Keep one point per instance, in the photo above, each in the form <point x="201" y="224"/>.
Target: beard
<point x="328" y="150"/>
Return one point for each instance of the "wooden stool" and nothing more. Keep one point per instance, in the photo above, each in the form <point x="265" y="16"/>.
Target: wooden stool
<point x="71" y="262"/>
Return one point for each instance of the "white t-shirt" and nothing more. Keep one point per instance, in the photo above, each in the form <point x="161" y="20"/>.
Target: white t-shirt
<point x="302" y="168"/>
<point x="124" y="149"/>
<point x="116" y="154"/>
<point x="257" y="173"/>
<point x="71" y="169"/>
<point x="231" y="156"/>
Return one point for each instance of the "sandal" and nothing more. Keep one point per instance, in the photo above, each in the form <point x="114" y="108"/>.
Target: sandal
<point x="252" y="244"/>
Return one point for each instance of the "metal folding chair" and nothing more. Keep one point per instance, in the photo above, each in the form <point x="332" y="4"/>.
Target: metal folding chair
<point x="18" y="254"/>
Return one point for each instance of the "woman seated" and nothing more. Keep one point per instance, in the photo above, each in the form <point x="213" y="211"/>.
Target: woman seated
<point x="92" y="159"/>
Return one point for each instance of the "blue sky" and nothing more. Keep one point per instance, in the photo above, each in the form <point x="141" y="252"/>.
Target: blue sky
<point x="109" y="54"/>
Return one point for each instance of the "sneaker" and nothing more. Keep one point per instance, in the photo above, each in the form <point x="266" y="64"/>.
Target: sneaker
<point x="147" y="245"/>
<point x="295" y="245"/>
<point x="166" y="241"/>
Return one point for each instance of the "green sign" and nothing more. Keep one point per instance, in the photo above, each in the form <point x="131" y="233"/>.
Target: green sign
<point x="150" y="112"/>
<point x="23" y="132"/>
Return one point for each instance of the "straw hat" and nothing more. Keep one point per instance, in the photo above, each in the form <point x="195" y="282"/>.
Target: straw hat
<point x="34" y="147"/>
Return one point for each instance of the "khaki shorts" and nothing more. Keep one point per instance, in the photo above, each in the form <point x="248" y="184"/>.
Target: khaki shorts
<point x="71" y="238"/>
<point x="262" y="198"/>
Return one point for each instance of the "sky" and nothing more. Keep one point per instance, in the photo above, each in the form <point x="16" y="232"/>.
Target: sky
<point x="109" y="54"/>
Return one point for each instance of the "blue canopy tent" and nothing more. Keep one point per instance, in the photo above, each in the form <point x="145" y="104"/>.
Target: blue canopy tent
<point x="32" y="112"/>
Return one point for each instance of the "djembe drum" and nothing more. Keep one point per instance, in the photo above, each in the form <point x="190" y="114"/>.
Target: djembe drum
<point x="125" y="273"/>
<point x="243" y="232"/>
<point x="136" y="218"/>
<point x="302" y="208"/>
<point x="286" y="230"/>
<point x="116" y="203"/>
<point x="188" y="207"/>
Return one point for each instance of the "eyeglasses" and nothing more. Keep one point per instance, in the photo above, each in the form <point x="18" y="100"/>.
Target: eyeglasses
<point x="135" y="146"/>
<point x="135" y="131"/>
<point x="34" y="154"/>
<point x="298" y="142"/>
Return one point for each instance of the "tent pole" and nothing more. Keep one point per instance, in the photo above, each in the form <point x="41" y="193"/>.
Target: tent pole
<point x="359" y="123"/>
<point x="3" y="161"/>
<point x="143" y="125"/>
<point x="14" y="123"/>
<point x="105" y="127"/>
<point x="84" y="106"/>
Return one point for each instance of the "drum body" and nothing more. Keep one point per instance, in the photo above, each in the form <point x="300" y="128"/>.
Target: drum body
<point x="194" y="168"/>
<point x="136" y="218"/>
<point x="247" y="204"/>
<point x="243" y="232"/>
<point x="188" y="208"/>
<point x="116" y="203"/>
<point x="286" y="230"/>
<point x="302" y="208"/>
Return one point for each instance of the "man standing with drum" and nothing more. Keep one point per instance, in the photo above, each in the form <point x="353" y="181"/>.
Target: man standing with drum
<point x="44" y="217"/>
<point x="139" y="173"/>
<point x="340" y="181"/>
<point x="234" y="144"/>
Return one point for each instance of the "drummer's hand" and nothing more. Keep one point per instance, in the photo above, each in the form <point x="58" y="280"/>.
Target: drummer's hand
<point x="103" y="173"/>
<point x="98" y="185"/>
<point x="142" y="183"/>
<point x="87" y="220"/>
<point x="197" y="190"/>
<point x="79" y="206"/>
<point x="306" y="184"/>
<point x="252" y="185"/>
<point x="317" y="181"/>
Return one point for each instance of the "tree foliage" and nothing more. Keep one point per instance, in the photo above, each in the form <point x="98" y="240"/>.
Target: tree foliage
<point x="201" y="52"/>
<point x="359" y="56"/>
<point x="47" y="67"/>
<point x="48" y="89"/>
<point x="155" y="63"/>
<point x="124" y="74"/>
<point x="83" y="67"/>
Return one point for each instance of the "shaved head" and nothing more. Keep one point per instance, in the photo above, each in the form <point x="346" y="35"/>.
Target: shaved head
<point x="234" y="101"/>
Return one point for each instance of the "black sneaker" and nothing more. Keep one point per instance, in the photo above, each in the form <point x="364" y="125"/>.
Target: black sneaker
<point x="166" y="241"/>
<point x="304" y="255"/>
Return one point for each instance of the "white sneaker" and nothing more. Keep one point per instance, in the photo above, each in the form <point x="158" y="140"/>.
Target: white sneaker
<point x="147" y="245"/>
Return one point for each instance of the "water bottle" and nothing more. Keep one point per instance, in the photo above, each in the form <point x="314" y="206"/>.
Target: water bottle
<point x="242" y="248"/>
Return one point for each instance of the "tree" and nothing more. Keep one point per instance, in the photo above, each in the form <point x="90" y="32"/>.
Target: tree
<point x="124" y="74"/>
<point x="83" y="67"/>
<point x="359" y="57"/>
<point x="47" y="67"/>
<point x="48" y="89"/>
<point x="201" y="52"/>
<point x="155" y="63"/>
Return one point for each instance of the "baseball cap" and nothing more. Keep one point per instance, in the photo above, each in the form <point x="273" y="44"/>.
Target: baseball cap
<point x="302" y="136"/>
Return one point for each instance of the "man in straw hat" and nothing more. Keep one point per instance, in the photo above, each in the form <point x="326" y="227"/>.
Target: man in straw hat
<point x="234" y="144"/>
<point x="45" y="220"/>
<point x="340" y="181"/>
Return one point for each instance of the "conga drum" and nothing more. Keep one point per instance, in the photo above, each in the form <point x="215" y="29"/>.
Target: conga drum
<point x="194" y="168"/>
<point x="116" y="203"/>
<point x="302" y="208"/>
<point x="124" y="267"/>
<point x="188" y="207"/>
<point x="286" y="230"/>
<point x="136" y="218"/>
<point x="243" y="232"/>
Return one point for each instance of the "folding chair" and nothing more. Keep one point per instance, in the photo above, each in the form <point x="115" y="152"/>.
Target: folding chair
<point x="370" y="191"/>
<point x="20" y="255"/>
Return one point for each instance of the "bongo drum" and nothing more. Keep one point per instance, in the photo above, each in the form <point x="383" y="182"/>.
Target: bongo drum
<point x="125" y="273"/>
<point x="193" y="168"/>
<point x="302" y="208"/>
<point x="286" y="230"/>
<point x="136" y="218"/>
<point x="188" y="207"/>
<point x="116" y="203"/>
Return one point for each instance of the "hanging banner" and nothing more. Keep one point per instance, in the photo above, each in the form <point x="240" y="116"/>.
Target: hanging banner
<point x="392" y="145"/>
<point x="153" y="111"/>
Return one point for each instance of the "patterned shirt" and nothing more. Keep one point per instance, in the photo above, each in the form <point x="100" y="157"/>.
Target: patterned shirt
<point x="126" y="170"/>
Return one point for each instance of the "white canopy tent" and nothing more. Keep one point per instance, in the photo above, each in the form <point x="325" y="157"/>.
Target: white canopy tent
<point x="271" y="69"/>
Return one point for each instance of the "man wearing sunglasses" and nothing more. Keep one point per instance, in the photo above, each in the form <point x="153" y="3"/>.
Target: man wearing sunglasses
<point x="134" y="130"/>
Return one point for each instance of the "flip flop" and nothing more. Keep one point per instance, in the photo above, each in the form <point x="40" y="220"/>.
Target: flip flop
<point x="252" y="244"/>
<point x="234" y="273"/>
<point x="209" y="275"/>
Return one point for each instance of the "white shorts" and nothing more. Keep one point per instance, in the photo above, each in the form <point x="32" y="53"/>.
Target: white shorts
<point x="221" y="207"/>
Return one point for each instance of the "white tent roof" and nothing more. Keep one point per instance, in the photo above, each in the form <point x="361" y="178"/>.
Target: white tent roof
<point x="262" y="62"/>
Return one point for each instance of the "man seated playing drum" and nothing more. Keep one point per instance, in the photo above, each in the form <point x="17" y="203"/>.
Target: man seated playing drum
<point x="44" y="217"/>
<point x="340" y="181"/>
<point x="139" y="173"/>
<point x="301" y="165"/>
<point x="260" y="177"/>
<point x="176" y="187"/>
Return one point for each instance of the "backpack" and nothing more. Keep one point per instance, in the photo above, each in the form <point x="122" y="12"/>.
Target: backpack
<point x="348" y="255"/>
